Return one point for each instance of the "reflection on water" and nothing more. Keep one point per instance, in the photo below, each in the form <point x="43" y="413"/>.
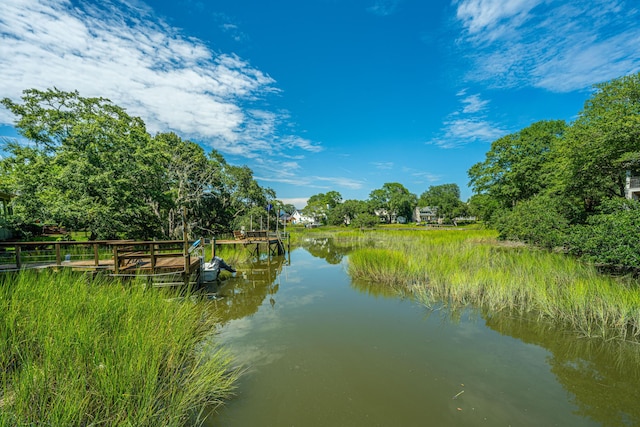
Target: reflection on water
<point x="325" y="248"/>
<point x="322" y="350"/>
<point x="602" y="377"/>
<point x="242" y="295"/>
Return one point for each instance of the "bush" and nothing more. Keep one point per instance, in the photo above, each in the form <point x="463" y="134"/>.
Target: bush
<point x="610" y="237"/>
<point x="365" y="220"/>
<point x="536" y="221"/>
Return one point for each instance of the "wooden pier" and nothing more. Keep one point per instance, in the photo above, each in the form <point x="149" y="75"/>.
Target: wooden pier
<point x="114" y="257"/>
<point x="273" y="242"/>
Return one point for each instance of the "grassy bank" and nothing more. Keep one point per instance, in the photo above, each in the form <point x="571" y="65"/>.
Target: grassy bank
<point x="80" y="352"/>
<point x="459" y="267"/>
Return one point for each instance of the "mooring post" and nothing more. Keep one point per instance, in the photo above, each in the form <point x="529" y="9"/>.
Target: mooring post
<point x="96" y="255"/>
<point x="58" y="257"/>
<point x="18" y="260"/>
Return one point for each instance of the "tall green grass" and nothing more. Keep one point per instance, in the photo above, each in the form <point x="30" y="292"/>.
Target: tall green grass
<point x="471" y="267"/>
<point x="78" y="352"/>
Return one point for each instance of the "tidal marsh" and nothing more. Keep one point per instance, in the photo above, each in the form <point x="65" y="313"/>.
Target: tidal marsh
<point x="459" y="267"/>
<point x="80" y="351"/>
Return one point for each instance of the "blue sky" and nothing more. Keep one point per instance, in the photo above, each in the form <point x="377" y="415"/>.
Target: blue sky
<point x="321" y="95"/>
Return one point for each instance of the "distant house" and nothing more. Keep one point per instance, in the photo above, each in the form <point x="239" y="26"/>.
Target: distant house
<point x="425" y="214"/>
<point x="632" y="187"/>
<point x="299" y="218"/>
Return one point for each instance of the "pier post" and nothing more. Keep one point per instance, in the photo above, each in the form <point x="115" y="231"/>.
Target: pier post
<point x="58" y="256"/>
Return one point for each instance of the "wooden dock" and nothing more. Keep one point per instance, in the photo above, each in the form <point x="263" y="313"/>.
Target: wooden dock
<point x="114" y="257"/>
<point x="253" y="241"/>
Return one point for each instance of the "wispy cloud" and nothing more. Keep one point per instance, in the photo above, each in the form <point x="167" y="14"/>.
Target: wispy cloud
<point x="320" y="182"/>
<point x="384" y="7"/>
<point x="551" y="44"/>
<point x="123" y="52"/>
<point x="383" y="165"/>
<point x="467" y="125"/>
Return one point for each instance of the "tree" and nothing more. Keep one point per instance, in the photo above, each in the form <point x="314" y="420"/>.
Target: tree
<point x="446" y="198"/>
<point x="345" y="212"/>
<point x="518" y="166"/>
<point x="91" y="165"/>
<point x="319" y="205"/>
<point x="602" y="143"/>
<point x="393" y="200"/>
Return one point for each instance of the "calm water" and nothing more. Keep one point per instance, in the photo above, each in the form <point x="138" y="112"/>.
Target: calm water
<point x="321" y="350"/>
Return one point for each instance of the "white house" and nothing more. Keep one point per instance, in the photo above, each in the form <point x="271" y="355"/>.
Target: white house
<point x="299" y="218"/>
<point x="425" y="214"/>
<point x="632" y="187"/>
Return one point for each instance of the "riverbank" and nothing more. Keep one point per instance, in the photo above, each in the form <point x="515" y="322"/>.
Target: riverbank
<point x="86" y="352"/>
<point x="470" y="266"/>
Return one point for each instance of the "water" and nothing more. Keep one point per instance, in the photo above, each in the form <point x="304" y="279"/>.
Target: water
<point x="320" y="350"/>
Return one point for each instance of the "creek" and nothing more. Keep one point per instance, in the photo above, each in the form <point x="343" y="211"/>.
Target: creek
<point x="322" y="350"/>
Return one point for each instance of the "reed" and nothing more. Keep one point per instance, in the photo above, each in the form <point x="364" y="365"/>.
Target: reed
<point x="75" y="351"/>
<point x="472" y="267"/>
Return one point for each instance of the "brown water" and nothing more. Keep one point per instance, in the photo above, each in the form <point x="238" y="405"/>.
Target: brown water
<point x="321" y="350"/>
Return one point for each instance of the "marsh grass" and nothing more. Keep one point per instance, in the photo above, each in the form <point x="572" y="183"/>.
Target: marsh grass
<point x="472" y="267"/>
<point x="75" y="351"/>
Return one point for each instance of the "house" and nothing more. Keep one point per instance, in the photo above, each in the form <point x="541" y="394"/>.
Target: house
<point x="299" y="218"/>
<point x="632" y="187"/>
<point x="425" y="214"/>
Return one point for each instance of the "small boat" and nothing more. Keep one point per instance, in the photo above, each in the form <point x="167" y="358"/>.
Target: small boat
<point x="211" y="269"/>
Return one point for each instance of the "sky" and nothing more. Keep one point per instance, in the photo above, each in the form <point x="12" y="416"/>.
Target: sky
<point x="326" y="95"/>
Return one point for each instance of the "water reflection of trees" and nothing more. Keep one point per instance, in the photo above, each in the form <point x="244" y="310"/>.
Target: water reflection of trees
<point x="325" y="248"/>
<point x="602" y="376"/>
<point x="241" y="296"/>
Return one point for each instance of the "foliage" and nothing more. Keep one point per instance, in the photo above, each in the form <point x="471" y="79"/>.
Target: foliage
<point x="365" y="220"/>
<point x="470" y="267"/>
<point x="319" y="205"/>
<point x="347" y="212"/>
<point x="536" y="221"/>
<point x="517" y="167"/>
<point x="602" y="143"/>
<point x="446" y="198"/>
<point x="89" y="165"/>
<point x="611" y="236"/>
<point x="78" y="352"/>
<point x="393" y="200"/>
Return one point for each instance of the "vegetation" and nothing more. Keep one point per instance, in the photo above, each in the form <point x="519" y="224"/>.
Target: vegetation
<point x="88" y="165"/>
<point x="562" y="185"/>
<point x="75" y="352"/>
<point x="471" y="267"/>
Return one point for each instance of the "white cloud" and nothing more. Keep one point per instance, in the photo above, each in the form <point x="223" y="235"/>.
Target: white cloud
<point x="122" y="52"/>
<point x="383" y="165"/>
<point x="551" y="44"/>
<point x="467" y="126"/>
<point x="320" y="182"/>
<point x="384" y="7"/>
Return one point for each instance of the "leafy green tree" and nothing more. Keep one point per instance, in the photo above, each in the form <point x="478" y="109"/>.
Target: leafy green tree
<point x="602" y="143"/>
<point x="394" y="200"/>
<point x="345" y="212"/>
<point x="320" y="205"/>
<point x="518" y="166"/>
<point x="446" y="198"/>
<point x="537" y="221"/>
<point x="89" y="167"/>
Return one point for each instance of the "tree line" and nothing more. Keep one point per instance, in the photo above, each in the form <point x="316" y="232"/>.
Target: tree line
<point x="386" y="204"/>
<point x="88" y="165"/>
<point x="563" y="185"/>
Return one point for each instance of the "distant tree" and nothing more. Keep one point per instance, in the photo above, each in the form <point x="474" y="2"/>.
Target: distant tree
<point x="446" y="198"/>
<point x="319" y="205"/>
<point x="345" y="212"/>
<point x="394" y="199"/>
